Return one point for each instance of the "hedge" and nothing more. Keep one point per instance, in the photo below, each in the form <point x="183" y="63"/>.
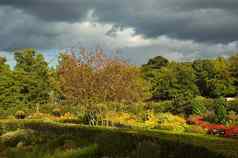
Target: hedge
<point x="114" y="142"/>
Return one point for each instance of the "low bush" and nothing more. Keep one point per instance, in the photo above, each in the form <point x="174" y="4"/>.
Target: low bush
<point x="20" y="115"/>
<point x="39" y="115"/>
<point x="233" y="105"/>
<point x="167" y="121"/>
<point x="162" y="106"/>
<point x="210" y="116"/>
<point x="150" y="120"/>
<point x="120" y="119"/>
<point x="195" y="129"/>
<point x="231" y="132"/>
<point x="198" y="106"/>
<point x="232" y="118"/>
<point x="56" y="112"/>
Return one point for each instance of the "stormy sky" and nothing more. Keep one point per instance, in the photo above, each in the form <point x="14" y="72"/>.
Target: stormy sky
<point x="140" y="29"/>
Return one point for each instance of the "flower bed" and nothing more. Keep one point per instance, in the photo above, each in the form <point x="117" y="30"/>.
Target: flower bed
<point x="215" y="129"/>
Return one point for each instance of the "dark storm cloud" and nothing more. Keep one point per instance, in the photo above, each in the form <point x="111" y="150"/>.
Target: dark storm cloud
<point x="203" y="20"/>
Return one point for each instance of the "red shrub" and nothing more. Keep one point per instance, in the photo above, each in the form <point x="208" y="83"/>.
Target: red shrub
<point x="196" y="120"/>
<point x="231" y="131"/>
<point x="214" y="129"/>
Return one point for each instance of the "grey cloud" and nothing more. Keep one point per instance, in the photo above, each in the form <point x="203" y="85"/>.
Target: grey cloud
<point x="203" y="20"/>
<point x="193" y="29"/>
<point x="179" y="50"/>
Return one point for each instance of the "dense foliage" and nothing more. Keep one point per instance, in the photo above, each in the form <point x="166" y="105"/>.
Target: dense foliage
<point x="91" y="88"/>
<point x="209" y="78"/>
<point x="95" y="77"/>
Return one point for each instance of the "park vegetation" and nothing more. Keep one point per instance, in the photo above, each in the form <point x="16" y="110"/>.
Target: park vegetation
<point x="161" y="102"/>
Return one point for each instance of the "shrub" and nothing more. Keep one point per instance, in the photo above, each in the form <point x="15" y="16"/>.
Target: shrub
<point x="137" y="108"/>
<point x="90" y="118"/>
<point x="151" y="121"/>
<point x="162" y="106"/>
<point x="233" y="105"/>
<point x="220" y="110"/>
<point x="171" y="122"/>
<point x="38" y="115"/>
<point x="210" y="116"/>
<point x="231" y="117"/>
<point x="120" y="119"/>
<point x="56" y="112"/>
<point x="195" y="129"/>
<point x="215" y="129"/>
<point x="195" y="120"/>
<point x="69" y="118"/>
<point x="198" y="106"/>
<point x="20" y="115"/>
<point x="181" y="104"/>
<point x="231" y="132"/>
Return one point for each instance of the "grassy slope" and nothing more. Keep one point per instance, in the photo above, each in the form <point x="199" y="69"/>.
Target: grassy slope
<point x="226" y="147"/>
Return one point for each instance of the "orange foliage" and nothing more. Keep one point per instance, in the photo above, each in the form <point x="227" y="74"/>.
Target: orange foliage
<point x="94" y="76"/>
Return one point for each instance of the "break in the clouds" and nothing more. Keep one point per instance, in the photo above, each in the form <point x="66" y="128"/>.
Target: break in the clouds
<point x="177" y="29"/>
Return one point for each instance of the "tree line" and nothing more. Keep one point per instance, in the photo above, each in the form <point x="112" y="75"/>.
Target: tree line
<point x="211" y="78"/>
<point x="86" y="76"/>
<point x="81" y="77"/>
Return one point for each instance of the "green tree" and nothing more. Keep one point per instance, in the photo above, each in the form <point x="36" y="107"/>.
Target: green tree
<point x="153" y="66"/>
<point x="174" y="80"/>
<point x="157" y="63"/>
<point x="9" y="92"/>
<point x="204" y="72"/>
<point x="32" y="75"/>
<point x="214" y="78"/>
<point x="233" y="67"/>
<point x="222" y="84"/>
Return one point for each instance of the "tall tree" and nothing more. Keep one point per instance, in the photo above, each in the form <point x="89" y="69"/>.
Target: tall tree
<point x="9" y="94"/>
<point x="233" y="66"/>
<point x="153" y="66"/>
<point x="214" y="78"/>
<point x="174" y="80"/>
<point x="94" y="76"/>
<point x="32" y="75"/>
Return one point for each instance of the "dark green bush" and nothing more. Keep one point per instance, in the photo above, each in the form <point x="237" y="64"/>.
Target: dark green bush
<point x="162" y="106"/>
<point x="233" y="105"/>
<point x="182" y="104"/>
<point x="56" y="112"/>
<point x="20" y="115"/>
<point x="220" y="110"/>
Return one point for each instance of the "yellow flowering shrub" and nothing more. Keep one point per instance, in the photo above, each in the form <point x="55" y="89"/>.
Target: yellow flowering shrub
<point x="68" y="116"/>
<point x="39" y="115"/>
<point x="151" y="120"/>
<point x="121" y="118"/>
<point x="168" y="121"/>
